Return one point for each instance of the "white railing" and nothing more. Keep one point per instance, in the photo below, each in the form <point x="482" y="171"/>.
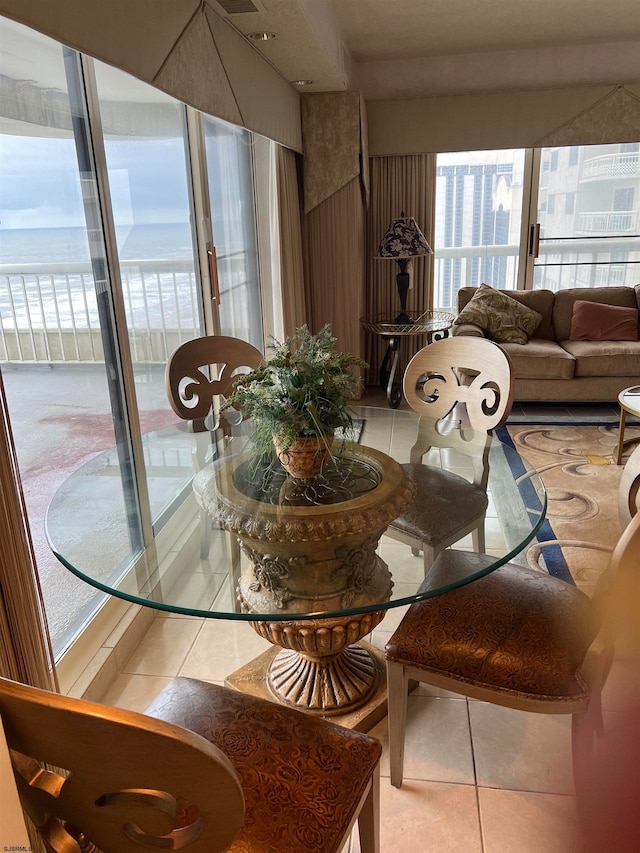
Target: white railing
<point x="49" y="312"/>
<point x="608" y="221"/>
<point x="561" y="264"/>
<point x="623" y="165"/>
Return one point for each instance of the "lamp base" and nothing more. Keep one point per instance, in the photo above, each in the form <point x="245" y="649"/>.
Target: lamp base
<point x="402" y="283"/>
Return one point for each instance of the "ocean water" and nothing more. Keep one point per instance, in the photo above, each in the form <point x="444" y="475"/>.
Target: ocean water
<point x="57" y="245"/>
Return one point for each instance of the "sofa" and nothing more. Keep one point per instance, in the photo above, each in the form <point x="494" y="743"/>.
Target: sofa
<point x="553" y="367"/>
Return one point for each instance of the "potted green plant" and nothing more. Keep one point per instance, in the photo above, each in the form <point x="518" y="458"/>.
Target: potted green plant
<point x="297" y="398"/>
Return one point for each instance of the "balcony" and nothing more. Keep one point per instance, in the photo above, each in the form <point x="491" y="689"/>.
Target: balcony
<point x="624" y="165"/>
<point x="608" y="221"/>
<point x="49" y="312"/>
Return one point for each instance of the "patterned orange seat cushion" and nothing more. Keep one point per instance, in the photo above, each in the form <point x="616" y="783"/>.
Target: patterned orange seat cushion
<point x="516" y="630"/>
<point x="302" y="778"/>
<point x="444" y="504"/>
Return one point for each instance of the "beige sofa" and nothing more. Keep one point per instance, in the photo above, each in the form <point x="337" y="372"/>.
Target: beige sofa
<point x="550" y="367"/>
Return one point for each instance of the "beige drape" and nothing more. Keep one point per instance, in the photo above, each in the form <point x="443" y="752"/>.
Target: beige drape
<point x="294" y="303"/>
<point x="334" y="261"/>
<point x="402" y="183"/>
<point x="25" y="649"/>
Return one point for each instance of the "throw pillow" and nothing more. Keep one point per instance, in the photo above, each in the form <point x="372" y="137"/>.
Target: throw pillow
<point x="596" y="321"/>
<point x="503" y="319"/>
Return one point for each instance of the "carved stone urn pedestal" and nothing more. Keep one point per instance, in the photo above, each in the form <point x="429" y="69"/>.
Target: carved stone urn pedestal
<point x="312" y="553"/>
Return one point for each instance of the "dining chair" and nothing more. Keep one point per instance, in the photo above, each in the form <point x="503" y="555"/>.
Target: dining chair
<point x="205" y="769"/>
<point x="464" y="389"/>
<point x="516" y="637"/>
<point x="198" y="377"/>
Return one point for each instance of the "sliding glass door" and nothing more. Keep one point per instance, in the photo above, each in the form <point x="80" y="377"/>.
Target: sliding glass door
<point x="229" y="157"/>
<point x="586" y="225"/>
<point x="58" y="344"/>
<point x="100" y="281"/>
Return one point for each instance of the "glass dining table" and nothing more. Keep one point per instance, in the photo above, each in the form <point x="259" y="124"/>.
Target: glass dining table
<point x="314" y="572"/>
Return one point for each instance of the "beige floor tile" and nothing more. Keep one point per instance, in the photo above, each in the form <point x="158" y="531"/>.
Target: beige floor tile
<point x="437" y="741"/>
<point x="521" y="751"/>
<point x="164" y="647"/>
<point x="519" y="822"/>
<point x="427" y="817"/>
<point x="134" y="692"/>
<point x="222" y="646"/>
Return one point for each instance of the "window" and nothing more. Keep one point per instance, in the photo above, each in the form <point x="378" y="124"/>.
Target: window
<point x="553" y="162"/>
<point x="99" y="282"/>
<point x="594" y="240"/>
<point x="551" y="204"/>
<point x="478" y="219"/>
<point x="569" y="203"/>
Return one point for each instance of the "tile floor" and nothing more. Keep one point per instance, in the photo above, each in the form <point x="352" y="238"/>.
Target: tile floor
<point x="478" y="778"/>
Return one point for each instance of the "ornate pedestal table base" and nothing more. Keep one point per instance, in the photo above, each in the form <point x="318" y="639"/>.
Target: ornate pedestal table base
<point x="309" y="557"/>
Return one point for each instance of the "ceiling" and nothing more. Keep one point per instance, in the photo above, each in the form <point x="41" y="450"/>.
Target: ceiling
<point x="409" y="48"/>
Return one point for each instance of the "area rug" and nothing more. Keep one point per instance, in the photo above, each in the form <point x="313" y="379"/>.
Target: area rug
<point x="577" y="467"/>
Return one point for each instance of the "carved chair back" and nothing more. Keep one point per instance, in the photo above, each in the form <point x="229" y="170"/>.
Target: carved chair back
<point x="191" y="392"/>
<point x="128" y="782"/>
<point x="470" y="377"/>
<point x="629" y="491"/>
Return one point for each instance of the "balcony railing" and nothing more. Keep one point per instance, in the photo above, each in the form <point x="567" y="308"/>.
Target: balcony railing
<point x="606" y="221"/>
<point x="49" y="312"/>
<point x="623" y="165"/>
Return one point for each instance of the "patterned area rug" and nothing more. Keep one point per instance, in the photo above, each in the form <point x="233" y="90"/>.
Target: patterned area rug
<point x="577" y="467"/>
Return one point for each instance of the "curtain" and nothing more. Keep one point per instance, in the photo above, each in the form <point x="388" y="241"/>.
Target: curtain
<point x="334" y="259"/>
<point x="25" y="649"/>
<point x="399" y="183"/>
<point x="294" y="303"/>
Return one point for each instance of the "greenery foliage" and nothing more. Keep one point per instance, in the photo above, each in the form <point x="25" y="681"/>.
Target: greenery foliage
<point x="302" y="390"/>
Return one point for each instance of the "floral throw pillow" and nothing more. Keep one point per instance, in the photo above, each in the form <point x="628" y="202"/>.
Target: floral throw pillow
<point x="504" y="319"/>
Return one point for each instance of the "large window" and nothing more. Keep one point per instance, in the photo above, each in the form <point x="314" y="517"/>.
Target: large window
<point x="100" y="281"/>
<point x="552" y="218"/>
<point x="233" y="225"/>
<point x="478" y="221"/>
<point x="591" y="239"/>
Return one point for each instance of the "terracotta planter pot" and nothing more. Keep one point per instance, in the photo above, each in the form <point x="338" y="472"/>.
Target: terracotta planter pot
<point x="305" y="456"/>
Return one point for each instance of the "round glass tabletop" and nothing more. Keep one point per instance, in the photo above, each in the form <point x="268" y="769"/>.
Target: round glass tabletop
<point x="281" y="549"/>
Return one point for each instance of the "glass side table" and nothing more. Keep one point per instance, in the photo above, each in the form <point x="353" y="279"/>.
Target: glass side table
<point x="433" y="324"/>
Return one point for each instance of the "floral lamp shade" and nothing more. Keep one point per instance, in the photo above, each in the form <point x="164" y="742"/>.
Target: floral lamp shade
<point x="403" y="239"/>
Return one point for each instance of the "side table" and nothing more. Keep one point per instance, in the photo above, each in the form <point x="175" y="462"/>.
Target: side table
<point x="629" y="401"/>
<point x="433" y="324"/>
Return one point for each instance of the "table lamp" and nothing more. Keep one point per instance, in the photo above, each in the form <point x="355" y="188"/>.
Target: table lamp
<point x="402" y="241"/>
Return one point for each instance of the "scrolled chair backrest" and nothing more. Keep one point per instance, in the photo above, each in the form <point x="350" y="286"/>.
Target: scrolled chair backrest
<point x="125" y="782"/>
<point x="190" y="391"/>
<point x="461" y="371"/>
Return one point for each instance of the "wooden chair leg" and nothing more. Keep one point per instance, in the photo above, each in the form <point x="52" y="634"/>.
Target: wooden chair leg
<point x="478" y="539"/>
<point x="429" y="555"/>
<point x="369" y="817"/>
<point x="397" y="689"/>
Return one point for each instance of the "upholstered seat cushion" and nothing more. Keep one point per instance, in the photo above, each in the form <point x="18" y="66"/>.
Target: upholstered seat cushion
<point x="302" y="778"/>
<point x="540" y="359"/>
<point x="515" y="630"/>
<point x="605" y="358"/>
<point x="445" y="503"/>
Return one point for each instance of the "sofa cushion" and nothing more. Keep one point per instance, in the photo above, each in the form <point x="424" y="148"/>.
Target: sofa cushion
<point x="563" y="304"/>
<point x="540" y="359"/>
<point x="539" y="300"/>
<point x="503" y="319"/>
<point x="605" y="358"/>
<point x="593" y="321"/>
